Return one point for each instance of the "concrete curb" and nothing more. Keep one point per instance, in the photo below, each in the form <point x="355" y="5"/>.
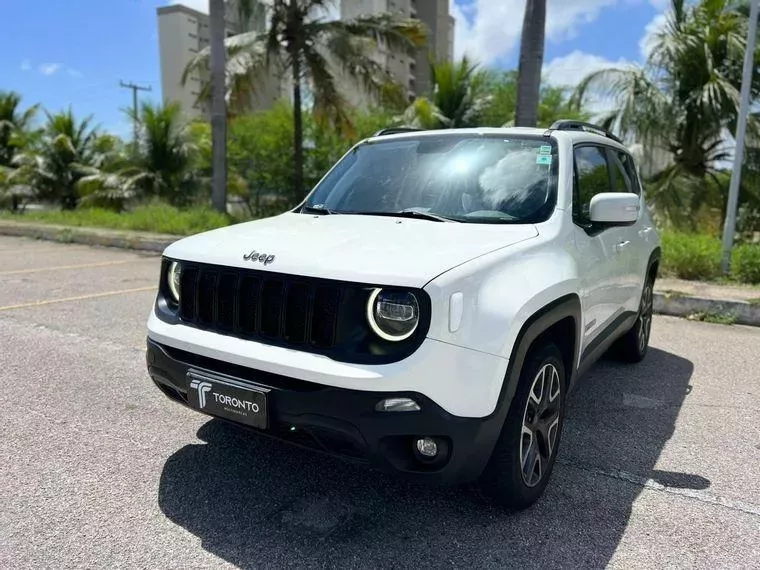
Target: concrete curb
<point x="664" y="303"/>
<point x="139" y="241"/>
<point x="742" y="312"/>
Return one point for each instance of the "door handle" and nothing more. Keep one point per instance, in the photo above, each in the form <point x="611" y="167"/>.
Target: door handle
<point x="645" y="231"/>
<point x="623" y="244"/>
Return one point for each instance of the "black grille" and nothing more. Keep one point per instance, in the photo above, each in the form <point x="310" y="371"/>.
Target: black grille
<point x="248" y="304"/>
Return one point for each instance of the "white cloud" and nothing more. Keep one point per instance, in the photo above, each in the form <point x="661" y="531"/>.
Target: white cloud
<point x="494" y="26"/>
<point x="74" y="72"/>
<point x="646" y="43"/>
<point x="661" y="4"/>
<point x="570" y="69"/>
<point x="49" y="68"/>
<point x="26" y="65"/>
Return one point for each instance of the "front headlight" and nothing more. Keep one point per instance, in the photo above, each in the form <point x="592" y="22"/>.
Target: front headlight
<point x="172" y="280"/>
<point x="393" y="315"/>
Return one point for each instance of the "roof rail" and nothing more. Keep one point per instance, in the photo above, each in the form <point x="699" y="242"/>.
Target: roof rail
<point x="571" y="125"/>
<point x="396" y="130"/>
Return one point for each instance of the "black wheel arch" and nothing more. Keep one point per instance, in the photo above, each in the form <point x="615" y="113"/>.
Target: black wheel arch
<point x="555" y="321"/>
<point x="653" y="265"/>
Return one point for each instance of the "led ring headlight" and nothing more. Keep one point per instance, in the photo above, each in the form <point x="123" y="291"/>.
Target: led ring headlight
<point x="393" y="315"/>
<point x="172" y="279"/>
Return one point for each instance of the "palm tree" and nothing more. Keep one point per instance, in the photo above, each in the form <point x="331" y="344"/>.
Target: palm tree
<point x="15" y="134"/>
<point x="218" y="26"/>
<point x="310" y="50"/>
<point x="14" y="125"/>
<point x="684" y="101"/>
<point x="531" y="62"/>
<point x="162" y="166"/>
<point x="459" y="97"/>
<point x="54" y="167"/>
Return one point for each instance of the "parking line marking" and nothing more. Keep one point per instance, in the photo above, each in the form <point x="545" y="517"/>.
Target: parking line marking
<point x="81" y="266"/>
<point x="77" y="298"/>
<point x="23" y="249"/>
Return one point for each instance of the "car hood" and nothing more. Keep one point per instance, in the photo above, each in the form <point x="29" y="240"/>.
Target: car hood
<point x="363" y="249"/>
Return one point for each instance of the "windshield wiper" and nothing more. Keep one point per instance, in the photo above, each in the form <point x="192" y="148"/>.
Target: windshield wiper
<point x="317" y="209"/>
<point x="409" y="214"/>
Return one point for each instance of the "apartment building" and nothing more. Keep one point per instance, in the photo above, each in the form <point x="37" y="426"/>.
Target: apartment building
<point x="412" y="72"/>
<point x="182" y="33"/>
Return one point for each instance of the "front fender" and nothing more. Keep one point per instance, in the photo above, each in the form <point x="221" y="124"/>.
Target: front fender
<point x="500" y="293"/>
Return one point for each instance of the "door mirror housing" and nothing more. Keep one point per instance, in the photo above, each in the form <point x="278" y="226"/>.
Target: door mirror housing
<point x="614" y="208"/>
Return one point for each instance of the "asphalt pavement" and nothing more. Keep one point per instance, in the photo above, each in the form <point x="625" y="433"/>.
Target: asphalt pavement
<point x="659" y="463"/>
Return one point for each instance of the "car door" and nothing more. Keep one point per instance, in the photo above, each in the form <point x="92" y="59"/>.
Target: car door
<point x="633" y="249"/>
<point x="603" y="269"/>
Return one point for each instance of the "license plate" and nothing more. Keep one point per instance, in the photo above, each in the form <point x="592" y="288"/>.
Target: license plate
<point x="227" y="397"/>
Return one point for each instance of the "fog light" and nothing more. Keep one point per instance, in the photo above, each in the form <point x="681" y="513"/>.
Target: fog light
<point x="397" y="405"/>
<point x="427" y="446"/>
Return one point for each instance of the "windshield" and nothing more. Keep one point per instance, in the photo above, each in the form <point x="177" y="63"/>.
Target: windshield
<point x="464" y="178"/>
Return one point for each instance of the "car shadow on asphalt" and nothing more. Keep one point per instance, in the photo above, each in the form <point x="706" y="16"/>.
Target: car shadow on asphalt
<point x="259" y="503"/>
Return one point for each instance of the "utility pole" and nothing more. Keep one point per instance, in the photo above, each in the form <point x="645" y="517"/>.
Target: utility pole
<point x="741" y="130"/>
<point x="135" y="88"/>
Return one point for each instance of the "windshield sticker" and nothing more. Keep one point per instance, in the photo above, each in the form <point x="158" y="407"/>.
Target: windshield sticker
<point x="543" y="159"/>
<point x="545" y="149"/>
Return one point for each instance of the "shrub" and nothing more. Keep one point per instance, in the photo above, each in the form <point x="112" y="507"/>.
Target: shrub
<point x="690" y="256"/>
<point x="745" y="263"/>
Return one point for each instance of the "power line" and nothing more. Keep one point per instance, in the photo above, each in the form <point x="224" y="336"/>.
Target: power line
<point x="135" y="88"/>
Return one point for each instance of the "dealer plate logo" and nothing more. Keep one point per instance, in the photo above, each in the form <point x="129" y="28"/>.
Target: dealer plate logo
<point x="203" y="388"/>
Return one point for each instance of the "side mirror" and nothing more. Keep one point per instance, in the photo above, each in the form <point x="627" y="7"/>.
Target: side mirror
<point x="614" y="208"/>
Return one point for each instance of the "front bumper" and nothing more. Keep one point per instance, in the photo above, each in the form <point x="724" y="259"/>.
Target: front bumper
<point x="343" y="422"/>
<point x="464" y="382"/>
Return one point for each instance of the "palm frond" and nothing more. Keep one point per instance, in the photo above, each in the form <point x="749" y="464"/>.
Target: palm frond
<point x="386" y="30"/>
<point x="329" y="103"/>
<point x="247" y="64"/>
<point x="353" y="56"/>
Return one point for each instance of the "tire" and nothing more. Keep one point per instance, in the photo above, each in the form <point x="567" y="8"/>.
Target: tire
<point x="632" y="346"/>
<point x="537" y="425"/>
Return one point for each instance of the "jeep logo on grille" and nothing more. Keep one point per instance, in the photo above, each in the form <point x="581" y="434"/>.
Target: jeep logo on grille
<point x="255" y="256"/>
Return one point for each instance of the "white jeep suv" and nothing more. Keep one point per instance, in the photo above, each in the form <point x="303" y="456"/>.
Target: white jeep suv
<point x="428" y="307"/>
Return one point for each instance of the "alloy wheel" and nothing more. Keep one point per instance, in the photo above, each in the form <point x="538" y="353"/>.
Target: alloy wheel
<point x="644" y="321"/>
<point x="540" y="424"/>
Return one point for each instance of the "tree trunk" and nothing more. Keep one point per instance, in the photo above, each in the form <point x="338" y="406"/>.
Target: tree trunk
<point x="531" y="62"/>
<point x="218" y="107"/>
<point x="297" y="131"/>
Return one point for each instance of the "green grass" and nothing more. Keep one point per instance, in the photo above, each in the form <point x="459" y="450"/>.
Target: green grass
<point x="714" y="317"/>
<point x="690" y="256"/>
<point x="673" y="294"/>
<point x="754" y="302"/>
<point x="698" y="256"/>
<point x="157" y="218"/>
<point x="745" y="263"/>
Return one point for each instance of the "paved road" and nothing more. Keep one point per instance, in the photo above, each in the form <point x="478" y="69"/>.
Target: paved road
<point x="659" y="465"/>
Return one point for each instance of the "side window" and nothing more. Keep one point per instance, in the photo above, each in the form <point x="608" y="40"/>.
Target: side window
<point x="630" y="169"/>
<point x="592" y="177"/>
<point x="620" y="176"/>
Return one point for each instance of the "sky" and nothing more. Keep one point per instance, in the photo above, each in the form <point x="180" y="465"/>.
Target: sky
<point x="63" y="53"/>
